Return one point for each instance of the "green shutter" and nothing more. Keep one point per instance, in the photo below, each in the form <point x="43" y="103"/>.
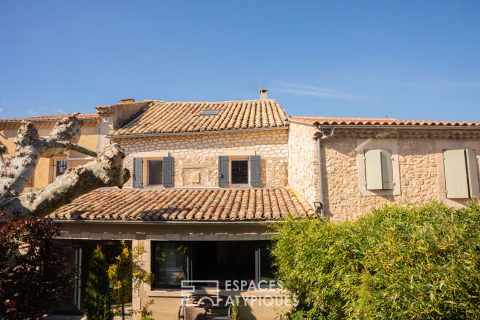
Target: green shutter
<point x="373" y="169"/>
<point x="223" y="166"/>
<point x="456" y="181"/>
<point x="137" y="172"/>
<point x="255" y="171"/>
<point x="387" y="169"/>
<point x="168" y="173"/>
<point x="472" y="169"/>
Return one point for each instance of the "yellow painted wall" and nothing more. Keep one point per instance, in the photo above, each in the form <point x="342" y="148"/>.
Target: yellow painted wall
<point x="44" y="171"/>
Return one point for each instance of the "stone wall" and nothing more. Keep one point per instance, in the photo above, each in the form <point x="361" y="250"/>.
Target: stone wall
<point x="421" y="175"/>
<point x="302" y="161"/>
<point x="196" y="155"/>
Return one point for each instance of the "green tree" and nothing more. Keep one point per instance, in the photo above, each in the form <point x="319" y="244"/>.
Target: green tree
<point x="98" y="297"/>
<point x="33" y="277"/>
<point x="414" y="262"/>
<point x="126" y="275"/>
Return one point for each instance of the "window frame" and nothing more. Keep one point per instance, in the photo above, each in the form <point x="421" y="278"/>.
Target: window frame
<point x="260" y="246"/>
<point x="54" y="166"/>
<point x="391" y="145"/>
<point x="239" y="158"/>
<point x="146" y="172"/>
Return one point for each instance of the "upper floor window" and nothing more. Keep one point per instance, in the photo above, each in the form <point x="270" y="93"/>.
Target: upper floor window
<point x="461" y="173"/>
<point x="379" y="169"/>
<point x="238" y="171"/>
<point x="60" y="167"/>
<point x="153" y="172"/>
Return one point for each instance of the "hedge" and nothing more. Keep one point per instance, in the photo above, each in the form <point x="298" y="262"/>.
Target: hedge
<point x="414" y="262"/>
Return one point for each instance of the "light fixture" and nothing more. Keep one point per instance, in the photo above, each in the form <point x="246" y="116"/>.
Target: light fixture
<point x="318" y="206"/>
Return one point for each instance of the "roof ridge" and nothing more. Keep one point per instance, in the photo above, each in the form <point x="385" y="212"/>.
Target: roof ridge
<point x="218" y="101"/>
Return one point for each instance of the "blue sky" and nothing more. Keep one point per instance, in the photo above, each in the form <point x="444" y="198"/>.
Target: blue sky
<point x="404" y="59"/>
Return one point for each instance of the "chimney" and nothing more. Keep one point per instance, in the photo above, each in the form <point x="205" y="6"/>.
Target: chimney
<point x="263" y="94"/>
<point x="127" y="100"/>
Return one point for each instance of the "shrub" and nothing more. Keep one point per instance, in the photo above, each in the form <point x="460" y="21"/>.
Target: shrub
<point x="33" y="277"/>
<point x="97" y="291"/>
<point x="416" y="262"/>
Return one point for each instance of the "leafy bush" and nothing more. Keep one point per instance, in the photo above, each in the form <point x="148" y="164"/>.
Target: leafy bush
<point x="98" y="297"/>
<point x="416" y="262"/>
<point x="33" y="277"/>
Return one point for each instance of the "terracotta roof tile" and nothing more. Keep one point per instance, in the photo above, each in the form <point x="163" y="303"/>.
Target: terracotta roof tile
<point x="48" y="120"/>
<point x="186" y="205"/>
<point x="379" y="122"/>
<point x="176" y="117"/>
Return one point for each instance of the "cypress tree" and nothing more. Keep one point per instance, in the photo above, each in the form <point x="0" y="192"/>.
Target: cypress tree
<point x="98" y="298"/>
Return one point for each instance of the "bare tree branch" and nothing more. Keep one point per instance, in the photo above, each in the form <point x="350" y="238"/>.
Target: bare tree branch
<point x="15" y="172"/>
<point x="105" y="171"/>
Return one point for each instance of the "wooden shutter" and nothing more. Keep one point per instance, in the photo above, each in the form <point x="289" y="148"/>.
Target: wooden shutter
<point x="137" y="172"/>
<point x="255" y="171"/>
<point x="472" y="168"/>
<point x="373" y="169"/>
<point x="387" y="169"/>
<point x="223" y="164"/>
<point x="168" y="172"/>
<point x="456" y="181"/>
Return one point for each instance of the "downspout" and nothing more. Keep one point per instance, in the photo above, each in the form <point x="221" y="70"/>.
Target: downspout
<point x="321" y="136"/>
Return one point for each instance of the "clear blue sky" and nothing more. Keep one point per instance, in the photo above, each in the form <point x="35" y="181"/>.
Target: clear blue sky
<point x="406" y="59"/>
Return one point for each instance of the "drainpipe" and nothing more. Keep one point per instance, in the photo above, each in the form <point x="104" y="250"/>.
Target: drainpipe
<point x="320" y="136"/>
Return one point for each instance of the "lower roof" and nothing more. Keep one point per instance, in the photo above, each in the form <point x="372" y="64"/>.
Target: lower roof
<point x="189" y="204"/>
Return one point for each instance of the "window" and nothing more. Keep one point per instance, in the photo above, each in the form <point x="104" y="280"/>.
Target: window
<point x="173" y="262"/>
<point x="170" y="263"/>
<point x="239" y="171"/>
<point x="155" y="172"/>
<point x="60" y="167"/>
<point x="461" y="173"/>
<point x="378" y="169"/>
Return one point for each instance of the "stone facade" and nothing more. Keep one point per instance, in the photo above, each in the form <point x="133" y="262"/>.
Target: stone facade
<point x="302" y="161"/>
<point x="420" y="161"/>
<point x="196" y="155"/>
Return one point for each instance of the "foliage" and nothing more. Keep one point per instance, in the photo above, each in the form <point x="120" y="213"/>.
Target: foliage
<point x="126" y="274"/>
<point x="97" y="291"/>
<point x="235" y="309"/>
<point x="32" y="268"/>
<point x="416" y="262"/>
<point x="145" y="312"/>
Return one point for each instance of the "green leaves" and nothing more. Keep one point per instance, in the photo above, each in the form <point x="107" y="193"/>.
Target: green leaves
<point x="97" y="291"/>
<point x="415" y="262"/>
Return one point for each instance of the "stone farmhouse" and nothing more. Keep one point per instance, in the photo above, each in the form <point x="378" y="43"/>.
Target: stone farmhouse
<point x="209" y="179"/>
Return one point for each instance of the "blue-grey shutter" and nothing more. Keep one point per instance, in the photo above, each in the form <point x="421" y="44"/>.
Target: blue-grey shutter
<point x="223" y="171"/>
<point x="255" y="171"/>
<point x="168" y="174"/>
<point x="137" y="172"/>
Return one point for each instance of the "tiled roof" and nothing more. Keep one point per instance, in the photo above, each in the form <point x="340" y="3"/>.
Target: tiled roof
<point x="176" y="117"/>
<point x="379" y="122"/>
<point x="185" y="205"/>
<point x="48" y="120"/>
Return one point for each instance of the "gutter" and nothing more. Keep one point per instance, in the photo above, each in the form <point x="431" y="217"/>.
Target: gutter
<point x="165" y="134"/>
<point x="389" y="126"/>
<point x="321" y="136"/>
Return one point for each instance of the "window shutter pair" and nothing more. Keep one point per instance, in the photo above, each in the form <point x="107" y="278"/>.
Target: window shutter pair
<point x="168" y="172"/>
<point x="224" y="169"/>
<point x="379" y="169"/>
<point x="461" y="173"/>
